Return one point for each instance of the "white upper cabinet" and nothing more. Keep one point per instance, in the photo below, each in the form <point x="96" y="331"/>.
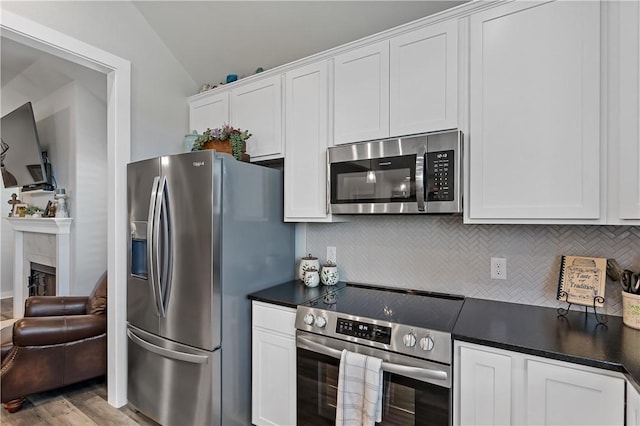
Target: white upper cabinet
<point x="424" y="80"/>
<point x="534" y="139"/>
<point x="361" y="94"/>
<point x="626" y="170"/>
<point x="306" y="124"/>
<point x="257" y="107"/>
<point x="209" y="112"/>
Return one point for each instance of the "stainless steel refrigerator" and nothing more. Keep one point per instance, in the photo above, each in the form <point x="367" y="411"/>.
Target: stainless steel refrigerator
<point x="205" y="231"/>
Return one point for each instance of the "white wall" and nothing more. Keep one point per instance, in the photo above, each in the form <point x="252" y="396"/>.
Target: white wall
<point x="89" y="202"/>
<point x="159" y="84"/>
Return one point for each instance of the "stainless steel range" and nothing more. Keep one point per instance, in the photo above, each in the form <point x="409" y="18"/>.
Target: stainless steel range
<point x="409" y="330"/>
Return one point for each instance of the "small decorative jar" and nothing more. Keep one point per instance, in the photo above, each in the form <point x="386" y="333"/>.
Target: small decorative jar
<point x="311" y="277"/>
<point x="329" y="274"/>
<point x="306" y="263"/>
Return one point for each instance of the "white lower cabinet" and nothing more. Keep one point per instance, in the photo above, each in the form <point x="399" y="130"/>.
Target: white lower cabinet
<point x="273" y="365"/>
<point x="484" y="386"/>
<point x="633" y="406"/>
<point x="494" y="386"/>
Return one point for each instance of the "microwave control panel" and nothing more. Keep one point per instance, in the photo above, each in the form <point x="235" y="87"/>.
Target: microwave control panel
<point x="440" y="169"/>
<point x="363" y="330"/>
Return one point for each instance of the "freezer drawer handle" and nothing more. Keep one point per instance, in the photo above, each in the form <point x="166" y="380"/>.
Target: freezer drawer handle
<point x="402" y="370"/>
<point x="167" y="353"/>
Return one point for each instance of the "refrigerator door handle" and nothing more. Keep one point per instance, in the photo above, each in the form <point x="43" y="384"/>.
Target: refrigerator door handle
<point x="164" y="285"/>
<point x="152" y="240"/>
<point x="156" y="266"/>
<point x="167" y="353"/>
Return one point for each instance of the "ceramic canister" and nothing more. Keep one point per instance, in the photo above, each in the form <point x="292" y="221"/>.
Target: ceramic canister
<point x="311" y="277"/>
<point x="306" y="263"/>
<point x="329" y="274"/>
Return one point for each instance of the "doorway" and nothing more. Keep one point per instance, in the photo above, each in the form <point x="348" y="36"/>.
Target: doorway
<point x="118" y="74"/>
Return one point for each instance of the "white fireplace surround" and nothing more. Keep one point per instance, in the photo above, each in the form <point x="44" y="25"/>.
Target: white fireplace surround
<point x="40" y="240"/>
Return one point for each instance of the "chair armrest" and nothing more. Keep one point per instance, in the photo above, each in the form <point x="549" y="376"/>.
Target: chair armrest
<point x="41" y="331"/>
<point x="47" y="306"/>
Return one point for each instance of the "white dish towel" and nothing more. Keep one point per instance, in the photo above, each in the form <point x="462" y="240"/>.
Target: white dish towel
<point x="359" y="390"/>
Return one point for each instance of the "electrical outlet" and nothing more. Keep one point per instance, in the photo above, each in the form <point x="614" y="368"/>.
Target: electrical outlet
<point x="331" y="255"/>
<point x="498" y="268"/>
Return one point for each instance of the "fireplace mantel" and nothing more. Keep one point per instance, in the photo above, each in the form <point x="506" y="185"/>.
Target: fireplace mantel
<point x="49" y="225"/>
<point x="30" y="231"/>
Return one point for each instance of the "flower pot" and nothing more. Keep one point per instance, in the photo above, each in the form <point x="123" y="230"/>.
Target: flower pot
<point x="225" y="146"/>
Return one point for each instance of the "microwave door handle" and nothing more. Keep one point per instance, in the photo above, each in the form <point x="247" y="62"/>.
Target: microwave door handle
<point x="417" y="373"/>
<point x="421" y="173"/>
<point x="328" y="189"/>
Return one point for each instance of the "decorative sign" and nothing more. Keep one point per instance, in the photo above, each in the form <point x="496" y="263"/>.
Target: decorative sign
<point x="582" y="280"/>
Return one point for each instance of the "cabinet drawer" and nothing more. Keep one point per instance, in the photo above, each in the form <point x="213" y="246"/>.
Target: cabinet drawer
<point x="274" y="318"/>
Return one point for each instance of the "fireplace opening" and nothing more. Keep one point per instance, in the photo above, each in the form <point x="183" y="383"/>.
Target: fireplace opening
<point x="42" y="280"/>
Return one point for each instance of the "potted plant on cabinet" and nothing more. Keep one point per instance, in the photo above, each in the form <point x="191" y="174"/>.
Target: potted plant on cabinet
<point x="224" y="139"/>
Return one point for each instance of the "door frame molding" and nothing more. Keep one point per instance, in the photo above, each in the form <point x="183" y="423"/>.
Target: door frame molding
<point x="118" y="73"/>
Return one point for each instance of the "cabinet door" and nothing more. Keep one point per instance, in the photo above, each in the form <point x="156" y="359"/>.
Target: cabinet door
<point x="305" y="166"/>
<point x="484" y="387"/>
<point x="361" y="94"/>
<point x="273" y="363"/>
<point x="210" y="112"/>
<point x="534" y="142"/>
<point x="627" y="172"/>
<point x="558" y="395"/>
<point x="633" y="406"/>
<point x="257" y="107"/>
<point x="424" y="80"/>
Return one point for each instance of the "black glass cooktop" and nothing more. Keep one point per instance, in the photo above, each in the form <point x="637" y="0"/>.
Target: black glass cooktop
<point x="435" y="311"/>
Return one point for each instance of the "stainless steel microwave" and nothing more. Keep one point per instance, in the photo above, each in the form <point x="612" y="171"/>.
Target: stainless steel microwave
<point x="413" y="174"/>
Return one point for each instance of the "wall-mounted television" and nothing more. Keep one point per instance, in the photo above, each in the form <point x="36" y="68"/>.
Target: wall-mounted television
<point x="22" y="160"/>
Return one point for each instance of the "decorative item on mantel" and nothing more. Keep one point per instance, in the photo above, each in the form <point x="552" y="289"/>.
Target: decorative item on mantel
<point x="224" y="139"/>
<point x="13" y="201"/>
<point x="61" y="198"/>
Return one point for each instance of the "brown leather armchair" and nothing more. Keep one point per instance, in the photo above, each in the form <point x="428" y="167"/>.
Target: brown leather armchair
<point x="60" y="341"/>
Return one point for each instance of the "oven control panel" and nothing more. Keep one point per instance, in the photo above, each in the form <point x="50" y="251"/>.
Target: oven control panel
<point x="363" y="330"/>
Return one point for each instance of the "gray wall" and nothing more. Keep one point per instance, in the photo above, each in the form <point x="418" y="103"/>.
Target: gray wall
<point x="159" y="84"/>
<point x="439" y="253"/>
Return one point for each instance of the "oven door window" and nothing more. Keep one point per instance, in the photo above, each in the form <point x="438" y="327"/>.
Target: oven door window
<point x="381" y="180"/>
<point x="405" y="401"/>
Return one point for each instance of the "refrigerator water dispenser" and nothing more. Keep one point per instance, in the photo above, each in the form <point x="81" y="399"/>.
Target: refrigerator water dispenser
<point x="139" y="249"/>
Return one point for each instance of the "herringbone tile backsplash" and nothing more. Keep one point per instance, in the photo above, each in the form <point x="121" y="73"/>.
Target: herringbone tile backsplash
<point x="439" y="253"/>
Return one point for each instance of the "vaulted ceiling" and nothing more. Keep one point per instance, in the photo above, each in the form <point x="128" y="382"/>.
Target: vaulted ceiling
<point x="214" y="38"/>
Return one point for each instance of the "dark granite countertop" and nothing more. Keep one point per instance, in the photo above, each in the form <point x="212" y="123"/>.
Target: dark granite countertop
<point x="292" y="293"/>
<point x="533" y="330"/>
<point x="537" y="330"/>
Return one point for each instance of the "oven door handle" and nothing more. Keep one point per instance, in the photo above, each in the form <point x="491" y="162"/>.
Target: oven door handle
<point x="402" y="370"/>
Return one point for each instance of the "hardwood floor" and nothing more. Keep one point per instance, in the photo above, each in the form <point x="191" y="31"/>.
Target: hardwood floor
<point x="80" y="404"/>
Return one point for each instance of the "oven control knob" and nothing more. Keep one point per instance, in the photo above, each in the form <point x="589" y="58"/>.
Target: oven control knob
<point x="426" y="343"/>
<point x="409" y="340"/>
<point x="309" y="319"/>
<point x="320" y="322"/>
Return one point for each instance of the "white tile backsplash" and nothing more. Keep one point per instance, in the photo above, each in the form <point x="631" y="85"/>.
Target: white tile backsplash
<point x="440" y="253"/>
